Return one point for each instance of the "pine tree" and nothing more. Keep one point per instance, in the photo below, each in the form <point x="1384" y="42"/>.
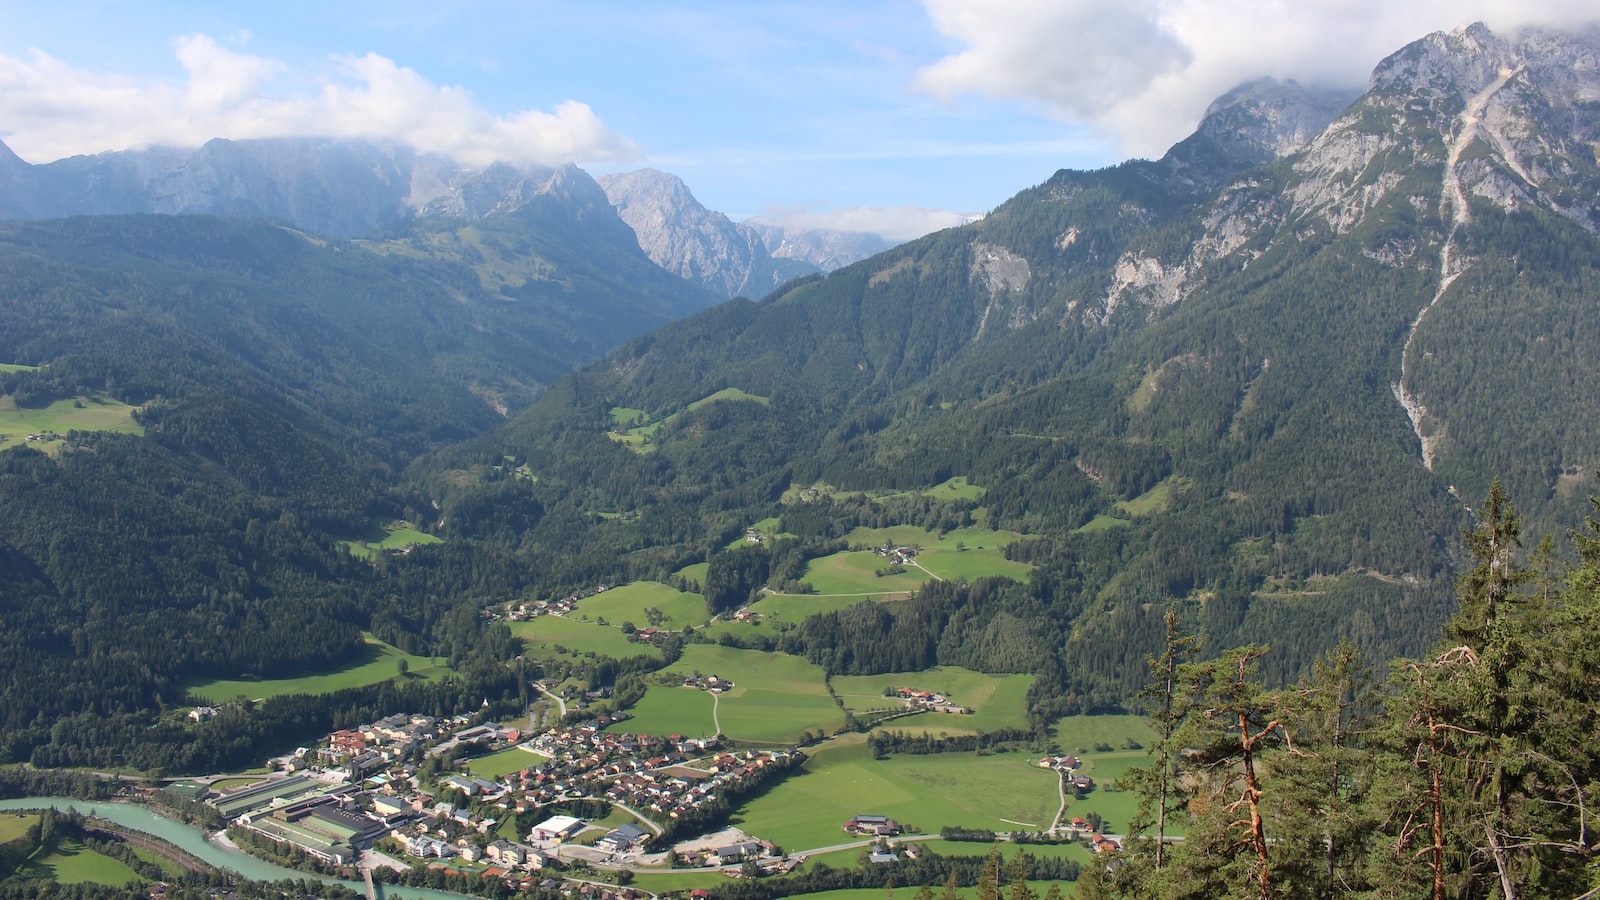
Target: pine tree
<point x="989" y="878"/>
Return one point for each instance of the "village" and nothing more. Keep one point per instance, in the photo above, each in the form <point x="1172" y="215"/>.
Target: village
<point x="360" y="795"/>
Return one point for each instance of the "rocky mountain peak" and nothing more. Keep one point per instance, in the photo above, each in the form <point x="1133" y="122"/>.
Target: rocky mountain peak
<point x="693" y="242"/>
<point x="1255" y="123"/>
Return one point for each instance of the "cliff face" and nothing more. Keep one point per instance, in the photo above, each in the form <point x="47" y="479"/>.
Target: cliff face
<point x="693" y="242"/>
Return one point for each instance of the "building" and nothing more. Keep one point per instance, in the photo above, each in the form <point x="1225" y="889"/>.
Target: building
<point x="624" y="837"/>
<point x="881" y="826"/>
<point x="557" y="828"/>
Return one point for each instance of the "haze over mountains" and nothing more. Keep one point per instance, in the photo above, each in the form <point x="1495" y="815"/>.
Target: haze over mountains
<point x="1257" y="380"/>
<point x="350" y="187"/>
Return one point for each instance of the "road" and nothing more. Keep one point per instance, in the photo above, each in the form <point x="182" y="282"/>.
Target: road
<point x="560" y="703"/>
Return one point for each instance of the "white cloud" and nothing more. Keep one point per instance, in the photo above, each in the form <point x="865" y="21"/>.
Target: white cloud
<point x="50" y="109"/>
<point x="893" y="223"/>
<point x="1145" y="70"/>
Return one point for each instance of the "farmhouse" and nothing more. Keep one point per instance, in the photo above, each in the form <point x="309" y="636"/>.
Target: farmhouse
<point x="872" y="825"/>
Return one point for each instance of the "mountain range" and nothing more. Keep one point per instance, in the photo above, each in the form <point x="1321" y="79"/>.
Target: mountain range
<point x="346" y="188"/>
<point x="1260" y="380"/>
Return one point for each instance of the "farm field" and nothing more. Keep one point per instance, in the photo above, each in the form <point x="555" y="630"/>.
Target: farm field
<point x="997" y="701"/>
<point x="393" y="536"/>
<point x="62" y="416"/>
<point x="379" y="663"/>
<point x="854" y="572"/>
<point x="1081" y="734"/>
<point x="957" y="488"/>
<point x="628" y="603"/>
<point x="552" y="637"/>
<point x="925" y="792"/>
<point x="983" y="554"/>
<point x="667" y="710"/>
<point x="503" y="763"/>
<point x="775" y="697"/>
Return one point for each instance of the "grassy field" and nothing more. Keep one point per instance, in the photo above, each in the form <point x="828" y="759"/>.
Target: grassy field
<point x="775" y="697"/>
<point x="14" y="826"/>
<point x="957" y="488"/>
<point x="544" y="635"/>
<point x="997" y="701"/>
<point x="853" y="572"/>
<point x="628" y="603"/>
<point x="62" y="416"/>
<point x="503" y="763"/>
<point x="73" y="863"/>
<point x="1081" y="734"/>
<point x="963" y="553"/>
<point x="667" y="710"/>
<point x="393" y="536"/>
<point x="695" y="572"/>
<point x="380" y="662"/>
<point x="640" y="426"/>
<point x="926" y="792"/>
<point x="17" y="367"/>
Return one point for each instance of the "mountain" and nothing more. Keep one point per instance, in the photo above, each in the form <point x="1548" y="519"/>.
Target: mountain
<point x="1260" y="379"/>
<point x="699" y="245"/>
<point x="824" y="248"/>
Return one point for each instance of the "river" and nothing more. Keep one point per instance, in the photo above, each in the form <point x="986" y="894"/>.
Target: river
<point x="193" y="841"/>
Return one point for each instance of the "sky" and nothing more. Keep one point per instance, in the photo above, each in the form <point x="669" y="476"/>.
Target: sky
<point x="898" y="116"/>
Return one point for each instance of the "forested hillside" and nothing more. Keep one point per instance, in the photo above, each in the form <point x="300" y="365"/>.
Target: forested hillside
<point x="1265" y="394"/>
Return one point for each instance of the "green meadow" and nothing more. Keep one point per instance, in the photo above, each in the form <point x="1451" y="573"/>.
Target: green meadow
<point x="1081" y="734"/>
<point x="629" y="602"/>
<point x="379" y="662"/>
<point x="854" y="573"/>
<point x="925" y="792"/>
<point x="997" y="701"/>
<point x="502" y="763"/>
<point x="695" y="572"/>
<point x="640" y="426"/>
<point x="72" y="863"/>
<point x="552" y="637"/>
<point x="667" y="710"/>
<point x="393" y="536"/>
<point x="14" y="826"/>
<point x="775" y="698"/>
<point x="62" y="416"/>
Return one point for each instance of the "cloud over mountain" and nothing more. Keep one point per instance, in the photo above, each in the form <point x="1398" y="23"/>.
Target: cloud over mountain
<point x="50" y="109"/>
<point x="1144" y="71"/>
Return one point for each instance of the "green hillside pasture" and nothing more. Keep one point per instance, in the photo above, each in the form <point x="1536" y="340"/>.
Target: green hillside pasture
<point x="642" y="427"/>
<point x="854" y="572"/>
<point x="971" y="564"/>
<point x="379" y="663"/>
<point x="957" y="488"/>
<point x="695" y="572"/>
<point x="928" y="792"/>
<point x="498" y="765"/>
<point x="73" y="863"/>
<point x="553" y="637"/>
<point x="775" y="697"/>
<point x="912" y="536"/>
<point x="997" y="701"/>
<point x="1157" y="499"/>
<point x="791" y="608"/>
<point x="668" y="710"/>
<point x="62" y="416"/>
<point x="1081" y="734"/>
<point x="393" y="536"/>
<point x="17" y="367"/>
<point x="628" y="602"/>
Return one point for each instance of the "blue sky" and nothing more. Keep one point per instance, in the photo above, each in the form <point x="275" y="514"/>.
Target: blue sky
<point x="763" y="108"/>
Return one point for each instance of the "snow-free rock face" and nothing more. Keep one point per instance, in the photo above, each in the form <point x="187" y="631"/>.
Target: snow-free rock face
<point x="824" y="248"/>
<point x="1257" y="122"/>
<point x="693" y="242"/>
